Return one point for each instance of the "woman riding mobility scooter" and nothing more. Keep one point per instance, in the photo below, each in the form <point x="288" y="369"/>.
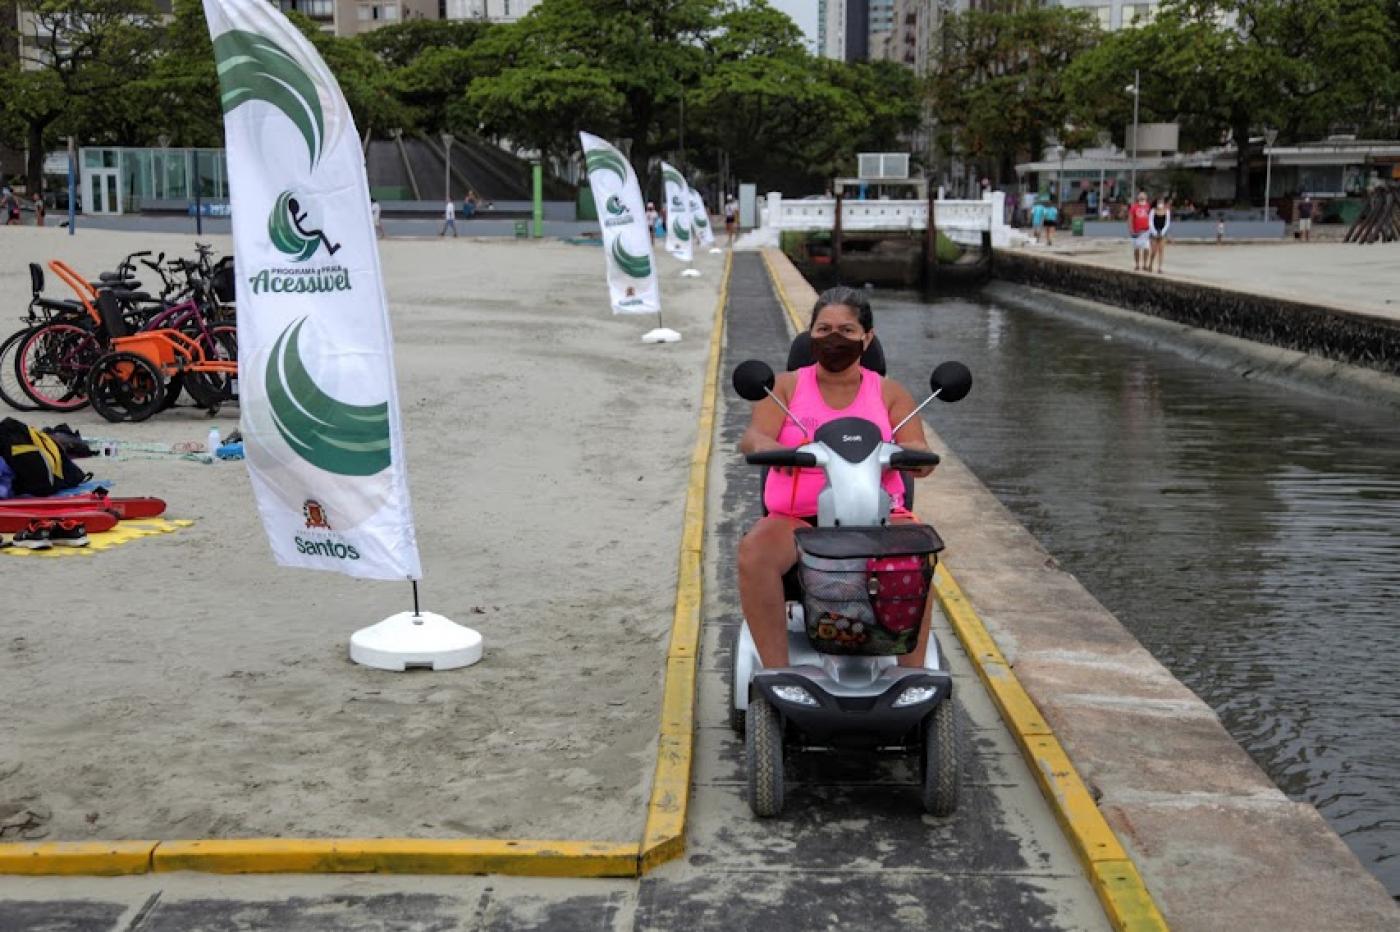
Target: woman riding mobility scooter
<point x="861" y="669"/>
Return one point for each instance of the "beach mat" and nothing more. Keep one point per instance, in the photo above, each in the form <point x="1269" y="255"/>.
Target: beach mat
<point x="124" y="533"/>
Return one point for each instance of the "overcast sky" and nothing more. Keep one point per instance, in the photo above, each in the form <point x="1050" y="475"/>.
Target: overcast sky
<point x="804" y="12"/>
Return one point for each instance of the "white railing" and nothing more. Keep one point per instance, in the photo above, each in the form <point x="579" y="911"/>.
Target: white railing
<point x="859" y="216"/>
<point x="962" y="221"/>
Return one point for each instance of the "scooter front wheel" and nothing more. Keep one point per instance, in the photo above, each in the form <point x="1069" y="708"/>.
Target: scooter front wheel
<point x="942" y="759"/>
<point x="763" y="756"/>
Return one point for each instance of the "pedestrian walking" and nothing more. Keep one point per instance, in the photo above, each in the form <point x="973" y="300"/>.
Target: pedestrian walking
<point x="1139" y="225"/>
<point x="1052" y="220"/>
<point x="1157" y="235"/>
<point x="38" y="210"/>
<point x="11" y="209"/>
<point x="374" y="212"/>
<point x="731" y="219"/>
<point x="652" y="218"/>
<point x="1037" y="218"/>
<point x="449" y="219"/>
<point x="1305" y="217"/>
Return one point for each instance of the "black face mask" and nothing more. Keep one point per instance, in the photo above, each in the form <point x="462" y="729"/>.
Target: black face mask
<point x="837" y="353"/>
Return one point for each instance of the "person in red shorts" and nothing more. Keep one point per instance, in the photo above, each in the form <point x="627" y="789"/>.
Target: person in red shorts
<point x="1139" y="228"/>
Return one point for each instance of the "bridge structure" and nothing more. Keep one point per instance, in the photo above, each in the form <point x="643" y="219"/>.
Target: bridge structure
<point x="888" y="242"/>
<point x="963" y="221"/>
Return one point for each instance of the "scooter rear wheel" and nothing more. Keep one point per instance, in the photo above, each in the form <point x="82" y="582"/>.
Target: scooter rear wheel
<point x="763" y="757"/>
<point x="942" y="759"/>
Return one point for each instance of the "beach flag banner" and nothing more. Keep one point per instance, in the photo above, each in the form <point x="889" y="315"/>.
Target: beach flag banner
<point x="701" y="218"/>
<point x="680" y="234"/>
<point x="320" y="410"/>
<point x="626" y="239"/>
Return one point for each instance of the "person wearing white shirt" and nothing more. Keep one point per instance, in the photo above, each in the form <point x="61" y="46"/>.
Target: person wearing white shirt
<point x="449" y="219"/>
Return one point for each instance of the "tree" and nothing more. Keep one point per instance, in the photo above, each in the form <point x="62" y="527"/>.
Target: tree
<point x="787" y="119"/>
<point x="401" y="44"/>
<point x="625" y="60"/>
<point x="777" y="118"/>
<point x="1224" y="69"/>
<point x="364" y="79"/>
<point x="78" y="53"/>
<point x="997" y="92"/>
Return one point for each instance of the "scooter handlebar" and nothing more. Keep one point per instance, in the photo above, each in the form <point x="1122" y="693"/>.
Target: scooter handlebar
<point x="785" y="458"/>
<point x="913" y="459"/>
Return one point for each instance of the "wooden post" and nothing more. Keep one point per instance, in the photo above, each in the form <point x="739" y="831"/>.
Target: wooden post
<point x="931" y="240"/>
<point x="836" y="235"/>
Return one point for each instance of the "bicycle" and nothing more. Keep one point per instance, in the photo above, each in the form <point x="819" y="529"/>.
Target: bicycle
<point x="54" y="360"/>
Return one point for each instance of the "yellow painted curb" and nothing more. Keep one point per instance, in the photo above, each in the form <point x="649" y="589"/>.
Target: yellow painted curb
<point x="99" y="858"/>
<point x="1115" y="879"/>
<point x="397" y="856"/>
<point x="663" y="838"/>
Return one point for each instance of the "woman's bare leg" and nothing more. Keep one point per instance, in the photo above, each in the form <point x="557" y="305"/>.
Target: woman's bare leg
<point x="767" y="551"/>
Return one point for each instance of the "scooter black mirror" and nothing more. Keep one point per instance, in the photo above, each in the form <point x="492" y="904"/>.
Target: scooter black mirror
<point x="753" y="380"/>
<point x="951" y="381"/>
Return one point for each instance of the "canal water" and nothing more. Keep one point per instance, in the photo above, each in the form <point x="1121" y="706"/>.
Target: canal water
<point x="1249" y="536"/>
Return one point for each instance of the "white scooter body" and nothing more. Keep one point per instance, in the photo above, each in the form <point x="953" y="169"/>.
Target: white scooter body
<point x="854" y="497"/>
<point x="846" y="700"/>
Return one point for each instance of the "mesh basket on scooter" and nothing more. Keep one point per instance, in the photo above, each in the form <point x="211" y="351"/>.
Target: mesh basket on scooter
<point x="865" y="589"/>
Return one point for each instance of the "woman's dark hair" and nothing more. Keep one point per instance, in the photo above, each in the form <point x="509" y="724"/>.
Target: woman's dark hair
<point x="854" y="298"/>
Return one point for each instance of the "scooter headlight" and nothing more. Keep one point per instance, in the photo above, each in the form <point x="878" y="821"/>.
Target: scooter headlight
<point x="914" y="695"/>
<point x="794" y="694"/>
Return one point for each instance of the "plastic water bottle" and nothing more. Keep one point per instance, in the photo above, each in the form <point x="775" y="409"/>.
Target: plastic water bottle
<point x="213" y="442"/>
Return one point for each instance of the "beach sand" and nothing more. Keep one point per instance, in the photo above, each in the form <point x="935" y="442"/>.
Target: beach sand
<point x="184" y="686"/>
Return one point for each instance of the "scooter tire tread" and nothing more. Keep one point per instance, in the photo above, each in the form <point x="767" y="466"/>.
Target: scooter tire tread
<point x="942" y="760"/>
<point x="763" y="753"/>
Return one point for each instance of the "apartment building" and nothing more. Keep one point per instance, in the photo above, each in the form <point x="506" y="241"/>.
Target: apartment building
<point x="491" y="11"/>
<point x="1115" y="14"/>
<point x="352" y="17"/>
<point x="843" y="28"/>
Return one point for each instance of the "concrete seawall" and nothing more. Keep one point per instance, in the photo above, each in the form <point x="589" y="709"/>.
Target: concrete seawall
<point x="1218" y="845"/>
<point x="1319" y="329"/>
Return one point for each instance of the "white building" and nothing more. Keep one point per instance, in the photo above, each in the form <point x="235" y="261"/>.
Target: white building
<point x="881" y="26"/>
<point x="491" y="11"/>
<point x="831" y="29"/>
<point x="1115" y="14"/>
<point x="352" y="17"/>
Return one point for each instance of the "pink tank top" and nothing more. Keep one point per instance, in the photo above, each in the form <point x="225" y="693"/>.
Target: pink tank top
<point x="812" y="411"/>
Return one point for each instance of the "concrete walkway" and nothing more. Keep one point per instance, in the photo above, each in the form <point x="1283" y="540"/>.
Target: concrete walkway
<point x="1350" y="277"/>
<point x="853" y="848"/>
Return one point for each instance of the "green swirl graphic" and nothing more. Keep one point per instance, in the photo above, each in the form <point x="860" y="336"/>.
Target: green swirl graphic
<point x="615" y="206"/>
<point x="680" y="232"/>
<point x="635" y="266"/>
<point x="283" y="233"/>
<point x="253" y="67"/>
<point x="606" y="160"/>
<point x="344" y="439"/>
<point x="670" y="174"/>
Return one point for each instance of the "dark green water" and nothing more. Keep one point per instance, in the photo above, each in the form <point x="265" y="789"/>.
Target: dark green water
<point x="1247" y="535"/>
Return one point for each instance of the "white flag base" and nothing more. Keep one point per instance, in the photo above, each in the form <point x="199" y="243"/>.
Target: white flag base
<point x="422" y="640"/>
<point x="690" y="273"/>
<point x="661" y="335"/>
<point x="716" y="251"/>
